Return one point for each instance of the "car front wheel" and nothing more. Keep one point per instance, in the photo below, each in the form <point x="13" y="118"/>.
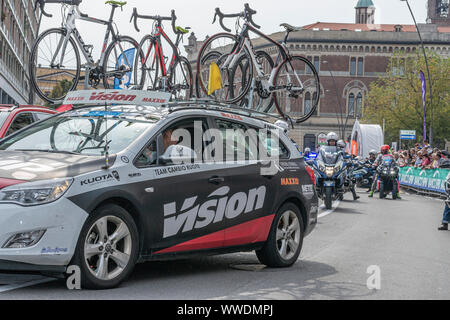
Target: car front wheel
<point x="107" y="248"/>
<point x="285" y="240"/>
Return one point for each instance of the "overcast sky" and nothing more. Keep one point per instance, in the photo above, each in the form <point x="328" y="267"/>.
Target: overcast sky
<point x="198" y="14"/>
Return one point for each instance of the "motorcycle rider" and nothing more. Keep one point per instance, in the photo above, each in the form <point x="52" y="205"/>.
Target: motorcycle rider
<point x="385" y="150"/>
<point x="307" y="152"/>
<point x="369" y="162"/>
<point x="339" y="145"/>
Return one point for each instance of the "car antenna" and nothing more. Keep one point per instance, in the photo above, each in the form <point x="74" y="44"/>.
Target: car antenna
<point x="106" y="166"/>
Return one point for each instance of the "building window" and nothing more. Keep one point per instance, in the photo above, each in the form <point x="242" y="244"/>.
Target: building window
<point x="314" y="60"/>
<point x="360" y="66"/>
<point x="359" y="105"/>
<point x="353" y="66"/>
<point x="351" y="104"/>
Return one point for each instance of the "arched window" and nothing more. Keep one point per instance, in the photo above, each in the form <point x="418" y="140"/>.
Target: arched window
<point x="359" y="104"/>
<point x="351" y="104"/>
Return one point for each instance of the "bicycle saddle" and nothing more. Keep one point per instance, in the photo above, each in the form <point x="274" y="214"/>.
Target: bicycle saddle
<point x="183" y="30"/>
<point x="116" y="3"/>
<point x="290" y="28"/>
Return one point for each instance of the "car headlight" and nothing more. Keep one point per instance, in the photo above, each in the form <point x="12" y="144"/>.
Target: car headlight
<point x="35" y="193"/>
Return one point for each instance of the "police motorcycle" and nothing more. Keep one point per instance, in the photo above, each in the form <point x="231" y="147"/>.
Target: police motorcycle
<point x="388" y="171"/>
<point x="331" y="174"/>
<point x="363" y="173"/>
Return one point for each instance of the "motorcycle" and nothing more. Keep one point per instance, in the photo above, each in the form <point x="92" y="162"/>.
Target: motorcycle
<point x="331" y="177"/>
<point x="363" y="174"/>
<point x="388" y="177"/>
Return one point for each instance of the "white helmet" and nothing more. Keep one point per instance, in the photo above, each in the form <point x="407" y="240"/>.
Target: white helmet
<point x="341" y="144"/>
<point x="332" y="136"/>
<point x="307" y="150"/>
<point x="373" y="152"/>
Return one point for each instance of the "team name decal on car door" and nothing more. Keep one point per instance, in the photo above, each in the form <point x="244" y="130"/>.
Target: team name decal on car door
<point x="217" y="206"/>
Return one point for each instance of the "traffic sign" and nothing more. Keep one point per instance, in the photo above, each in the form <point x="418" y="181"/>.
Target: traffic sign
<point x="408" y="135"/>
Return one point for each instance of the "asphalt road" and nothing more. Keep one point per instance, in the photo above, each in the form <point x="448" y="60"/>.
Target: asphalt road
<point x="399" y="237"/>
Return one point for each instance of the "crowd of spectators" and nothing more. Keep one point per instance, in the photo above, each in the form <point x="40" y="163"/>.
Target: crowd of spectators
<point x="422" y="157"/>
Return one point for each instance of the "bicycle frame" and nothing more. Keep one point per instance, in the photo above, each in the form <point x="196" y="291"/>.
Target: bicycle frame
<point x="245" y="42"/>
<point x="159" y="54"/>
<point x="69" y="25"/>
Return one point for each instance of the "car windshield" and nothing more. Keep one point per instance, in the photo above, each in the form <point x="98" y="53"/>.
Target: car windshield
<point x="3" y="116"/>
<point x="87" y="133"/>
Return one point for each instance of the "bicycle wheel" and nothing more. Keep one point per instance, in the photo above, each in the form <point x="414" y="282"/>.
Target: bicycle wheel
<point x="119" y="61"/>
<point x="256" y="98"/>
<point x="146" y="69"/>
<point x="207" y="59"/>
<point x="181" y="80"/>
<point x="69" y="135"/>
<point x="296" y="89"/>
<point x="241" y="78"/>
<point x="54" y="68"/>
<point x="221" y="45"/>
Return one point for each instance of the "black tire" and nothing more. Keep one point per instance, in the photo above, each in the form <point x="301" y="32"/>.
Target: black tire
<point x="382" y="195"/>
<point x="141" y="75"/>
<point x="328" y="199"/>
<point x="88" y="279"/>
<point x="187" y="78"/>
<point x="313" y="87"/>
<point x="269" y="254"/>
<point x="210" y="56"/>
<point x="33" y="65"/>
<point x="108" y="80"/>
<point x="241" y="77"/>
<point x="205" y="50"/>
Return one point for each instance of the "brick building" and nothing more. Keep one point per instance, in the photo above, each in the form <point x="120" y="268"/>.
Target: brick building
<point x="349" y="56"/>
<point x="18" y="31"/>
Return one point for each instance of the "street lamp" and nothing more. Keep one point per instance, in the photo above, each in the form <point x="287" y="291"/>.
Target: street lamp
<point x="428" y="72"/>
<point x="339" y="102"/>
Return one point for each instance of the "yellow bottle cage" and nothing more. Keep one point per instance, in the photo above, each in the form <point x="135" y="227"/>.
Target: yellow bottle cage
<point x="117" y="3"/>
<point x="182" y="30"/>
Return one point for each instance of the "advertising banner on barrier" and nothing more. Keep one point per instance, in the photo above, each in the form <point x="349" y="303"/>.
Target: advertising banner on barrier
<point x="430" y="180"/>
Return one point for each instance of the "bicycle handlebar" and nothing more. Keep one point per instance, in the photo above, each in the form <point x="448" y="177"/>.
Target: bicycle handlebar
<point x="172" y="18"/>
<point x="247" y="14"/>
<point x="43" y="2"/>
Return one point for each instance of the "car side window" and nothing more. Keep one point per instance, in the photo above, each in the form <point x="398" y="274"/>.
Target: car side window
<point x="232" y="149"/>
<point x="176" y="139"/>
<point x="148" y="157"/>
<point x="273" y="148"/>
<point x="22" y="120"/>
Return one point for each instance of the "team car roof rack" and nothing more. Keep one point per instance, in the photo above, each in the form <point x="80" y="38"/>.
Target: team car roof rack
<point x="207" y="104"/>
<point x="159" y="101"/>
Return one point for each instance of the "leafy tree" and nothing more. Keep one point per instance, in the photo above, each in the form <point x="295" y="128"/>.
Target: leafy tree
<point x="397" y="97"/>
<point x="60" y="89"/>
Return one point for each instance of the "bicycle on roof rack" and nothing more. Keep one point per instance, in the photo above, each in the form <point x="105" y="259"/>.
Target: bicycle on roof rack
<point x="55" y="64"/>
<point x="291" y="83"/>
<point x="152" y="71"/>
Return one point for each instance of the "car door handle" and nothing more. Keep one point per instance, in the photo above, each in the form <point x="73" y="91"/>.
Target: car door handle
<point x="216" y="180"/>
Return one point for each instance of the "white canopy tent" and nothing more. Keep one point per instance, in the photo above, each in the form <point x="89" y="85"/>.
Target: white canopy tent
<point x="366" y="137"/>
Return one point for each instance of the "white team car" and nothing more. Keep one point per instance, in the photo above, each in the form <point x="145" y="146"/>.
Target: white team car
<point x="104" y="188"/>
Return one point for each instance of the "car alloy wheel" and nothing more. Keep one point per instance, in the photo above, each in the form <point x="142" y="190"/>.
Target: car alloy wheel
<point x="288" y="235"/>
<point x="107" y="247"/>
<point x="285" y="240"/>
